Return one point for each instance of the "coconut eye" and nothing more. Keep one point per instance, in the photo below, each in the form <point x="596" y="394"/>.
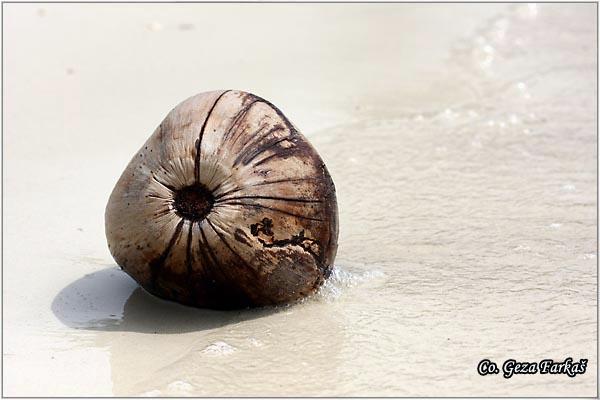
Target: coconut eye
<point x="225" y="206"/>
<point x="193" y="202"/>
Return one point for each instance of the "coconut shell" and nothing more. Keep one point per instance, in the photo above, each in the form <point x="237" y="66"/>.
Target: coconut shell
<point x="225" y="206"/>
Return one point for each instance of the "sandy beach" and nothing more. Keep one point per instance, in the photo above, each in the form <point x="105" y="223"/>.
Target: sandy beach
<point x="462" y="142"/>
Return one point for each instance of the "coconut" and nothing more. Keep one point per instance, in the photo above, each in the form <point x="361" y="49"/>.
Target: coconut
<point x="226" y="205"/>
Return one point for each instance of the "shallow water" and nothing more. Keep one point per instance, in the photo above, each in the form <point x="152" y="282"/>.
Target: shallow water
<point x="465" y="165"/>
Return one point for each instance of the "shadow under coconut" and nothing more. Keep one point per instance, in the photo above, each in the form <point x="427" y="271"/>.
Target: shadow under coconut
<point x="109" y="300"/>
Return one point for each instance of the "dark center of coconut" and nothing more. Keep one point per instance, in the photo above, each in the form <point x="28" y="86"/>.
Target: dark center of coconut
<point x="193" y="202"/>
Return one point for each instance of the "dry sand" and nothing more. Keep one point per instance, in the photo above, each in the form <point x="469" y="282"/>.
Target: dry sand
<point x="462" y="140"/>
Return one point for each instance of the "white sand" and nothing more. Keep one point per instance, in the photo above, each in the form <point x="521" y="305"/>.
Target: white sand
<point x="462" y="140"/>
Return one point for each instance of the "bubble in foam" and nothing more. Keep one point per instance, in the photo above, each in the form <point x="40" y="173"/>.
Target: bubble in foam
<point x="180" y="386"/>
<point x="219" y="349"/>
<point x="255" y="342"/>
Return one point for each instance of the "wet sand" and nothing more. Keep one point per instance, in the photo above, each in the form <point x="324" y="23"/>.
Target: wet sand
<point x="462" y="141"/>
